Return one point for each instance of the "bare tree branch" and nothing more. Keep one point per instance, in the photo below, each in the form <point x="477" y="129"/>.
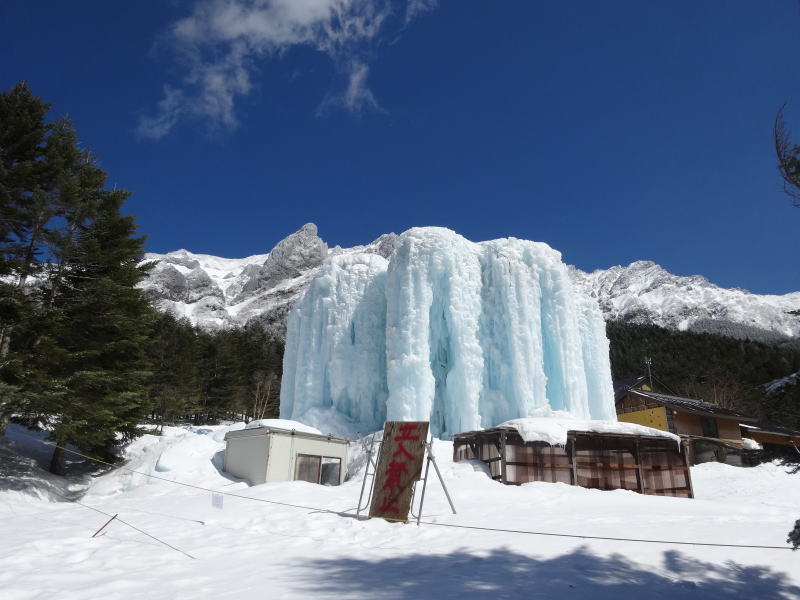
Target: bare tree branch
<point x="788" y="157"/>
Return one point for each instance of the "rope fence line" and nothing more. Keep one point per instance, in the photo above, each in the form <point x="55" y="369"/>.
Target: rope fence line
<point x="354" y="515"/>
<point x="116" y="518"/>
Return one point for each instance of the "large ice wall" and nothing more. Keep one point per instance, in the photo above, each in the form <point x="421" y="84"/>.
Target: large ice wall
<point x="335" y="354"/>
<point x="463" y="334"/>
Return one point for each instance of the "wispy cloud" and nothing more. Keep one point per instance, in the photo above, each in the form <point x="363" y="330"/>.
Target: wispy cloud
<point x="356" y="96"/>
<point x="414" y="8"/>
<point x="222" y="44"/>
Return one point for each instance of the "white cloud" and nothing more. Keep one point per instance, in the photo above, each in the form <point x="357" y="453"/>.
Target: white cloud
<point x="168" y="112"/>
<point x="414" y="8"/>
<point x="356" y="97"/>
<point x="222" y="43"/>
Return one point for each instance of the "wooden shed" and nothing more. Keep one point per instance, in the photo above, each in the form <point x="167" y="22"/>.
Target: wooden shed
<point x="267" y="454"/>
<point x="606" y="461"/>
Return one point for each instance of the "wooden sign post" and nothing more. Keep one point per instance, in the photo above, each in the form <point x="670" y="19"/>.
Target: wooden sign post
<point x="399" y="466"/>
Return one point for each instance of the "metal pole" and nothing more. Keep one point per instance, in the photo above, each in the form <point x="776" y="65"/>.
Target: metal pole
<point x="503" y="477"/>
<point x="438" y="474"/>
<point x="364" y="482"/>
<point x="106" y="525"/>
<point x="424" y="483"/>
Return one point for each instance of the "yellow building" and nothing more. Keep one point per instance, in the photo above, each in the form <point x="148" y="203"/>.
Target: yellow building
<point x="709" y="431"/>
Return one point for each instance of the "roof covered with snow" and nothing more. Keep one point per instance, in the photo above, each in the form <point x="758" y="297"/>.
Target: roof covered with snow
<point x="282" y="426"/>
<point x="555" y="429"/>
<point x="763" y="428"/>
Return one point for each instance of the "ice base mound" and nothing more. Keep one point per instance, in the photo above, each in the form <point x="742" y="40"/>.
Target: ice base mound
<point x="465" y="335"/>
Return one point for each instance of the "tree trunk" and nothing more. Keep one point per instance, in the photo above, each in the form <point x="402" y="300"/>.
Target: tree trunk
<point x="57" y="466"/>
<point x="5" y="340"/>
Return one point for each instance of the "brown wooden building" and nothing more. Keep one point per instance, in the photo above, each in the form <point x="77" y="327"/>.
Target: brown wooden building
<point x="651" y="465"/>
<point x="710" y="432"/>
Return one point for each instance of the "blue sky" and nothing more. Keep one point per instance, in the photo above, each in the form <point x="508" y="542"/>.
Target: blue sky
<point x="614" y="131"/>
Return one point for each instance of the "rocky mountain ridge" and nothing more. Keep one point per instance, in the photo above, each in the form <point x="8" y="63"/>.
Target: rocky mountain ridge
<point x="215" y="292"/>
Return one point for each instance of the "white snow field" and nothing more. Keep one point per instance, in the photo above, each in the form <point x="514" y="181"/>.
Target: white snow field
<point x="459" y="333"/>
<point x="251" y="549"/>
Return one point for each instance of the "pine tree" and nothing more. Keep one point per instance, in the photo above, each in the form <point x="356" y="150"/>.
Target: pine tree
<point x="101" y="326"/>
<point x="175" y="382"/>
<point x="23" y="216"/>
<point x="72" y="324"/>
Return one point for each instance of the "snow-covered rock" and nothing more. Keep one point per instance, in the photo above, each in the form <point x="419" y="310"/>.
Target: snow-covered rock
<point x="289" y="259"/>
<point x="213" y="292"/>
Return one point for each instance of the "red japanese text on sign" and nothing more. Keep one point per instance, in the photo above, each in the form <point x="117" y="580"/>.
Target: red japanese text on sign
<point x="399" y="466"/>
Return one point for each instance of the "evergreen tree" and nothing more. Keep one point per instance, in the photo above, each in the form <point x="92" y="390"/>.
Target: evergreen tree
<point x="23" y="191"/>
<point x="175" y="382"/>
<point x="72" y="324"/>
<point x="101" y="323"/>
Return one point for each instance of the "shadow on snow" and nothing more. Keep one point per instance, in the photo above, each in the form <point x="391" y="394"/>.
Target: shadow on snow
<point x="579" y="574"/>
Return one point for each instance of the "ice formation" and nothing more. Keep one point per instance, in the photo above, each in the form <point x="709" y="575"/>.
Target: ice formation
<point x="463" y="334"/>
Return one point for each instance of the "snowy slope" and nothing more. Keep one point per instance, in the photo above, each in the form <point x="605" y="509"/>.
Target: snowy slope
<point x="252" y="549"/>
<point x="217" y="292"/>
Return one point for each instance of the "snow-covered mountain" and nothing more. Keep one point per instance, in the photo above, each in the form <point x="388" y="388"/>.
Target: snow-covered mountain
<point x="215" y="292"/>
<point x="643" y="292"/>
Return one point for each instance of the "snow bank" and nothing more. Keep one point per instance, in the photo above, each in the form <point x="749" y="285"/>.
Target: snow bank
<point x="552" y="427"/>
<point x="187" y="454"/>
<point x="464" y="335"/>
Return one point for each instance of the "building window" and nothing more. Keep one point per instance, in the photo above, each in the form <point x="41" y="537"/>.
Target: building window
<point x="329" y="473"/>
<point x="709" y="427"/>
<point x="325" y="470"/>
<point x="670" y="420"/>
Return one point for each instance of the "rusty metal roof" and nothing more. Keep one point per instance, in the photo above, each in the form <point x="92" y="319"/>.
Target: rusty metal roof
<point x="691" y="405"/>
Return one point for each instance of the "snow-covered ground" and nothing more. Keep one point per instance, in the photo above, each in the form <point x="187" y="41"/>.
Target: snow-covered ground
<point x="251" y="549"/>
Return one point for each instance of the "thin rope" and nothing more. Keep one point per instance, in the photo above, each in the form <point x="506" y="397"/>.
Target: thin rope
<point x="597" y="537"/>
<point x="97" y="510"/>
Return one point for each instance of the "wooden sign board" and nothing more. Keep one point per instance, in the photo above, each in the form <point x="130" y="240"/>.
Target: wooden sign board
<point x="399" y="466"/>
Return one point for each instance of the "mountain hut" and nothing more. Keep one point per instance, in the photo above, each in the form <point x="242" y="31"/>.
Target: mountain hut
<point x="648" y="464"/>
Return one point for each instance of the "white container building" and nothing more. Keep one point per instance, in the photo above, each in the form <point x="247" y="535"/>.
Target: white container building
<point x="268" y="454"/>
